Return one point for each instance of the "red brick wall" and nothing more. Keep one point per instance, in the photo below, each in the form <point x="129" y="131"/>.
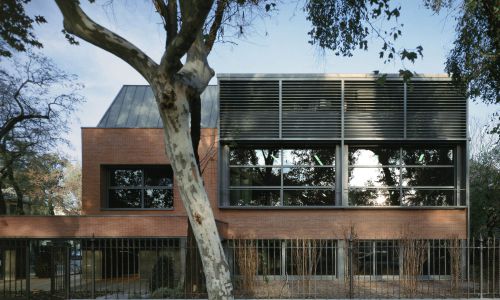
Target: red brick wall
<point x="89" y="226"/>
<point x="146" y="146"/>
<point x="132" y="146"/>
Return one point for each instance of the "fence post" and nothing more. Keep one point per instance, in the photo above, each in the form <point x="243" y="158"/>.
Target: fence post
<point x="67" y="271"/>
<point x="351" y="290"/>
<point x="481" y="266"/>
<point x="92" y="241"/>
<point x="52" y="268"/>
<point x="28" y="271"/>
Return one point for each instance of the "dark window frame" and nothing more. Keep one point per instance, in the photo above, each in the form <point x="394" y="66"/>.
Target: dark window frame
<point x="400" y="165"/>
<point x="281" y="166"/>
<point x="108" y="169"/>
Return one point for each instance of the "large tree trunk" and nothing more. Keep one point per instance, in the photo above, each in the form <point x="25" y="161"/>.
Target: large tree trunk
<point x="169" y="81"/>
<point x="173" y="105"/>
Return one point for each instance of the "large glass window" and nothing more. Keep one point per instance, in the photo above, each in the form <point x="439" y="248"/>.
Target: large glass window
<point x="267" y="176"/>
<point x="145" y="187"/>
<point x="376" y="258"/>
<point x="408" y="176"/>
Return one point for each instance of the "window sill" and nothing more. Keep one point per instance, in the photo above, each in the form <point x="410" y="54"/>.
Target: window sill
<point x="137" y="209"/>
<point x="340" y="207"/>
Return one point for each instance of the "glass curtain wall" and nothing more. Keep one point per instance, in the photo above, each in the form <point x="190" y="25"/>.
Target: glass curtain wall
<point x="406" y="176"/>
<point x="282" y="176"/>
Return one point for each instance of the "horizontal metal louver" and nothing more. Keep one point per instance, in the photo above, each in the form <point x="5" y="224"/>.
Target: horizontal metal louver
<point x="311" y="109"/>
<point x="249" y="109"/>
<point x="435" y="110"/>
<point x="373" y="110"/>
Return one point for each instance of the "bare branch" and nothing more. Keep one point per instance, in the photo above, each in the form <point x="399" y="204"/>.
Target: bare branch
<point x="78" y="23"/>
<point x="7" y="127"/>
<point x="214" y="29"/>
<point x="168" y="13"/>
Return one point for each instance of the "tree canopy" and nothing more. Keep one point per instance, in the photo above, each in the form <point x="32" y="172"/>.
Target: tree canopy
<point x="36" y="100"/>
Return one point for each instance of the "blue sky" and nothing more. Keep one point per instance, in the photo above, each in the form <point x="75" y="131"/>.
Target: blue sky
<point x="278" y="44"/>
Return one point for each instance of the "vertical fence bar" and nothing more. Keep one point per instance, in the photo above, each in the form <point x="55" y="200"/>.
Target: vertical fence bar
<point x="92" y="247"/>
<point x="480" y="266"/>
<point x="350" y="268"/>
<point x="51" y="268"/>
<point x="28" y="270"/>
<point x="67" y="271"/>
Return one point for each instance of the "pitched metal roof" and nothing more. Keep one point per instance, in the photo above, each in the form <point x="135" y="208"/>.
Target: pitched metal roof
<point x="135" y="107"/>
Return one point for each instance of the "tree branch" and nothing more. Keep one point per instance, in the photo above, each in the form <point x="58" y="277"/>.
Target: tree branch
<point x="193" y="14"/>
<point x="214" y="29"/>
<point x="168" y="12"/>
<point x="7" y="127"/>
<point x="78" y="23"/>
<point x="196" y="72"/>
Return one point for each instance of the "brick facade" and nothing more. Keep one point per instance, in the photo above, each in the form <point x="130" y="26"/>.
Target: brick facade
<point x="124" y="146"/>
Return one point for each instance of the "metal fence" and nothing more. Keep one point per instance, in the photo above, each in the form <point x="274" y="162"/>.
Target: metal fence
<point x="170" y="268"/>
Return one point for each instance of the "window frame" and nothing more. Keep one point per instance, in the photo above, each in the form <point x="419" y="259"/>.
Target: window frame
<point x="227" y="188"/>
<point x="434" y="197"/>
<point x="400" y="165"/>
<point x="282" y="250"/>
<point x="107" y="171"/>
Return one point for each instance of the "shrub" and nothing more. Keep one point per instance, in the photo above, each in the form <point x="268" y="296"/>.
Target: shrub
<point x="162" y="275"/>
<point x="42" y="264"/>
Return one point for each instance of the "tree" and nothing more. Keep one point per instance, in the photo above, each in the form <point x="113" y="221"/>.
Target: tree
<point x="475" y="59"/>
<point x="177" y="86"/>
<point x="484" y="169"/>
<point x="36" y="100"/>
<point x="52" y="183"/>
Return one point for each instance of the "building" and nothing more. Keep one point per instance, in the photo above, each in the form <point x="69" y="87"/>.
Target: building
<point x="290" y="161"/>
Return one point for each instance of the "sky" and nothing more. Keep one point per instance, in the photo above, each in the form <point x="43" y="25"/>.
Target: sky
<point x="275" y="44"/>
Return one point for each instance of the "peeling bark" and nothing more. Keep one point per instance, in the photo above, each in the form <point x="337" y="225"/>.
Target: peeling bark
<point x="193" y="194"/>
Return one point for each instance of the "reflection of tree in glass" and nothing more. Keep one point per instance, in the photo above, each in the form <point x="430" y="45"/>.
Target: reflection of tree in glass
<point x="309" y="167"/>
<point x="158" y="198"/>
<point x="124" y="177"/>
<point x="429" y="197"/>
<point x="160" y="176"/>
<point x="422" y="176"/>
<point x="310" y="197"/>
<point x="387" y="177"/>
<point x="257" y="176"/>
<point x="362" y="197"/>
<point x="125" y="198"/>
<point x="253" y="197"/>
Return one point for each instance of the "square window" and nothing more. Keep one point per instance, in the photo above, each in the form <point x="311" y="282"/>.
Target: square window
<point x="140" y="187"/>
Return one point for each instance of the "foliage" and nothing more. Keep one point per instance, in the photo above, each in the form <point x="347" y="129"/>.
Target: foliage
<point x="344" y="26"/>
<point x="42" y="263"/>
<point x="474" y="61"/>
<point x="36" y="100"/>
<point x="162" y="276"/>
<point x="16" y="27"/>
<point x="484" y="182"/>
<point x="51" y="182"/>
<point x="484" y="192"/>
